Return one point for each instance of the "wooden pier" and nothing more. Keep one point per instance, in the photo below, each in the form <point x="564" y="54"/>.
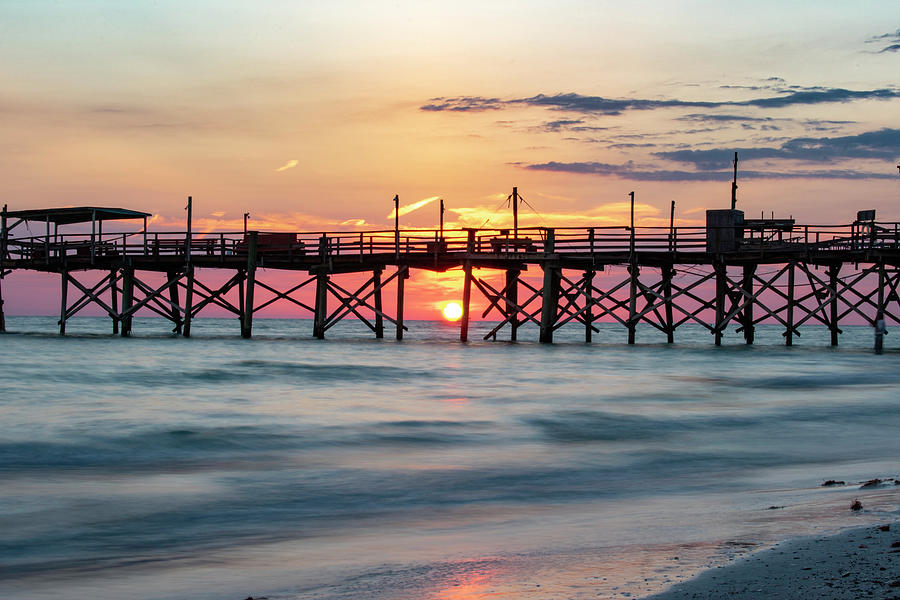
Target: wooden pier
<point x="734" y="271"/>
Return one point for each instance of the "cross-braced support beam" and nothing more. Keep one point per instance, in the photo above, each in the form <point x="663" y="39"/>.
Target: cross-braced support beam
<point x="506" y="302"/>
<point x="354" y="302"/>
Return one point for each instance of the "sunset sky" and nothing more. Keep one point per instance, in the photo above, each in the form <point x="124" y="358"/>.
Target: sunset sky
<point x="312" y="115"/>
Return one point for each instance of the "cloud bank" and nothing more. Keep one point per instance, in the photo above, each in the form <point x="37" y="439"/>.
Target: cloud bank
<point x="598" y="105"/>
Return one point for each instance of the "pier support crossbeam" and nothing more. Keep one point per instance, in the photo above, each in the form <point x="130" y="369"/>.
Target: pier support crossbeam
<point x="512" y="312"/>
<point x="355" y="301"/>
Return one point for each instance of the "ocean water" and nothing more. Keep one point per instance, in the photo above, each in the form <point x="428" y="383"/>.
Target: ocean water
<point x="285" y="467"/>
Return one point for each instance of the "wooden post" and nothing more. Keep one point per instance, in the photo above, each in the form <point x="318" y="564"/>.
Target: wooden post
<point x="467" y="287"/>
<point x="791" y="301"/>
<point x="127" y="299"/>
<point x="247" y="324"/>
<point x="3" y="236"/>
<point x="550" y="292"/>
<point x="188" y="300"/>
<point x="321" y="307"/>
<point x="401" y="279"/>
<point x="442" y="220"/>
<point x="833" y="272"/>
<point x="879" y="315"/>
<point x="93" y="232"/>
<point x="734" y="185"/>
<point x="672" y="227"/>
<point x="175" y="311"/>
<point x="512" y="299"/>
<point x="747" y="286"/>
<point x="2" y="315"/>
<point x="588" y="305"/>
<point x="721" y="271"/>
<point x="187" y="237"/>
<point x="379" y="320"/>
<point x="467" y="297"/>
<point x="241" y="308"/>
<point x="114" y="297"/>
<point x="515" y="207"/>
<point x="64" y="301"/>
<point x="631" y="241"/>
<point x="396" y="226"/>
<point x="667" y="273"/>
<point x="633" y="271"/>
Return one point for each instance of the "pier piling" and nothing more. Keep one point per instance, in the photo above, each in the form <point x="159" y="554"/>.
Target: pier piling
<point x="250" y="285"/>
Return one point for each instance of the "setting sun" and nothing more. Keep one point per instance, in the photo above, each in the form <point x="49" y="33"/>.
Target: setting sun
<point x="452" y="311"/>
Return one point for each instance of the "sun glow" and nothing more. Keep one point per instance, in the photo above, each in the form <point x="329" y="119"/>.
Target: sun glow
<point x="452" y="311"/>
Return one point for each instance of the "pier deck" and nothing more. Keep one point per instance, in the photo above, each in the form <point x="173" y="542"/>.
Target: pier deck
<point x="707" y="275"/>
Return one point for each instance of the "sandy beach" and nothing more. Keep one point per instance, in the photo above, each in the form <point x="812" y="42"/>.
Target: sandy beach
<point x="862" y="562"/>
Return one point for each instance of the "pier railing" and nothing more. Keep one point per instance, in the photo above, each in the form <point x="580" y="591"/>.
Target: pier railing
<point x="530" y="243"/>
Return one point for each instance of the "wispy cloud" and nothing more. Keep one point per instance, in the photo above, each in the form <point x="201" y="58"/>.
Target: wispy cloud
<point x="707" y="117"/>
<point x="288" y="165"/>
<point x="408" y="208"/>
<point x="891" y="39"/>
<point x="463" y="104"/>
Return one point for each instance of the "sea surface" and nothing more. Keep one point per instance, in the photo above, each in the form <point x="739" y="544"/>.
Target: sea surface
<point x="159" y="467"/>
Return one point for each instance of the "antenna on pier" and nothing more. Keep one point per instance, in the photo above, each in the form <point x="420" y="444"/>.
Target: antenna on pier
<point x="442" y="218"/>
<point x="397" y="226"/>
<point x="734" y="183"/>
<point x="515" y="207"/>
<point x="187" y="237"/>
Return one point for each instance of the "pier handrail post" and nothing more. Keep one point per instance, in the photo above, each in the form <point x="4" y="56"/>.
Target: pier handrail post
<point x="470" y="240"/>
<point x="323" y="247"/>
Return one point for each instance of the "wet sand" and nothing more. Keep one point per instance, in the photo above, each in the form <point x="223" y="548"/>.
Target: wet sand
<point x="859" y="563"/>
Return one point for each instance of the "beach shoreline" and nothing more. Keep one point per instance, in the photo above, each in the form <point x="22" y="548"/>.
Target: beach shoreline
<point x="861" y="562"/>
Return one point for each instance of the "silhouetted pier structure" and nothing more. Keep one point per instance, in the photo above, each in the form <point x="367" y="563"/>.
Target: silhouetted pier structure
<point x="734" y="271"/>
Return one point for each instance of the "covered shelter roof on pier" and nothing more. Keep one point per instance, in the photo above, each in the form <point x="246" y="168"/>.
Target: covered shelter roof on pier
<point x="95" y="215"/>
<point x="75" y="214"/>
